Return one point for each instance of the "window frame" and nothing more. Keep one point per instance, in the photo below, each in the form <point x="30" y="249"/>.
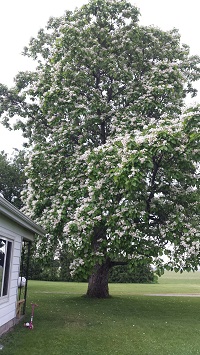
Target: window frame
<point x="6" y="269"/>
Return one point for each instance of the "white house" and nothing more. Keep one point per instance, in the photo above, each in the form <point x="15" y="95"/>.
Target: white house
<point x="15" y="228"/>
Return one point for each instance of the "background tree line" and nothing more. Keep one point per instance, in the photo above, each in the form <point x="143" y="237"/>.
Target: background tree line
<point x="58" y="269"/>
<point x="12" y="176"/>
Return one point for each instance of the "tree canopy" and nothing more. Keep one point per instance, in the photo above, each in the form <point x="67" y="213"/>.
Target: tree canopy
<point x="12" y="177"/>
<point x="113" y="174"/>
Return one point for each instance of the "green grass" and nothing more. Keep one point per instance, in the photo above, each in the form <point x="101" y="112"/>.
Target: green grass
<point x="128" y="323"/>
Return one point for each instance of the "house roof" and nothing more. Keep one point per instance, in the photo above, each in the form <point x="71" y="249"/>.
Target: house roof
<point x="10" y="211"/>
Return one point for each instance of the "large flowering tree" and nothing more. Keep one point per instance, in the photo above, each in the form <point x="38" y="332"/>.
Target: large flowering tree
<point x="113" y="168"/>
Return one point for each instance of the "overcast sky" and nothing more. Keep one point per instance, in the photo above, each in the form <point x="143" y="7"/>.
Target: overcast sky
<point x="21" y="19"/>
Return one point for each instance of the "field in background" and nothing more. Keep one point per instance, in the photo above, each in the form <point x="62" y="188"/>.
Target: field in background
<point x="129" y="323"/>
<point x="170" y="282"/>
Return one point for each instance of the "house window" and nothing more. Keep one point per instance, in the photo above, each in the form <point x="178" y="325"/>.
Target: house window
<point x="5" y="260"/>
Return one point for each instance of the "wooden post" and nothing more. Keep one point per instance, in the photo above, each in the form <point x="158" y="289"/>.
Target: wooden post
<point x="19" y="308"/>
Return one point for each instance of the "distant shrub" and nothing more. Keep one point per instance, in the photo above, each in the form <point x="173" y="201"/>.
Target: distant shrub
<point x="140" y="274"/>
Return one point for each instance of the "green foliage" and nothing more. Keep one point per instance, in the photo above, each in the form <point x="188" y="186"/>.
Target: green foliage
<point x="139" y="274"/>
<point x="113" y="171"/>
<point x="59" y="270"/>
<point x="65" y="259"/>
<point x="12" y="177"/>
<point x="46" y="271"/>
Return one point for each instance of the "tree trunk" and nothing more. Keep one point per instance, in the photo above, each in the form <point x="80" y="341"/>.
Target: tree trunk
<point x="98" y="281"/>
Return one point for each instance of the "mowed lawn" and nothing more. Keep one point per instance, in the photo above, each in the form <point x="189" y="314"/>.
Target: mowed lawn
<point x="135" y="320"/>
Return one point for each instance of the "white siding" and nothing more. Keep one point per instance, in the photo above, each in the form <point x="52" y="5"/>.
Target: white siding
<point x="14" y="226"/>
<point x="8" y="303"/>
<point x="5" y="309"/>
<point x="9" y="316"/>
<point x="15" y="268"/>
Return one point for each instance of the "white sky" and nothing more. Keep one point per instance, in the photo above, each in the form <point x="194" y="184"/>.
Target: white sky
<point x="21" y="19"/>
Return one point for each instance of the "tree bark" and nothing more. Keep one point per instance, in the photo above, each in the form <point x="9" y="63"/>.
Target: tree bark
<point x="98" y="281"/>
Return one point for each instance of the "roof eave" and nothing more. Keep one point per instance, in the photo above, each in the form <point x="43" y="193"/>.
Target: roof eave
<point x="7" y="209"/>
